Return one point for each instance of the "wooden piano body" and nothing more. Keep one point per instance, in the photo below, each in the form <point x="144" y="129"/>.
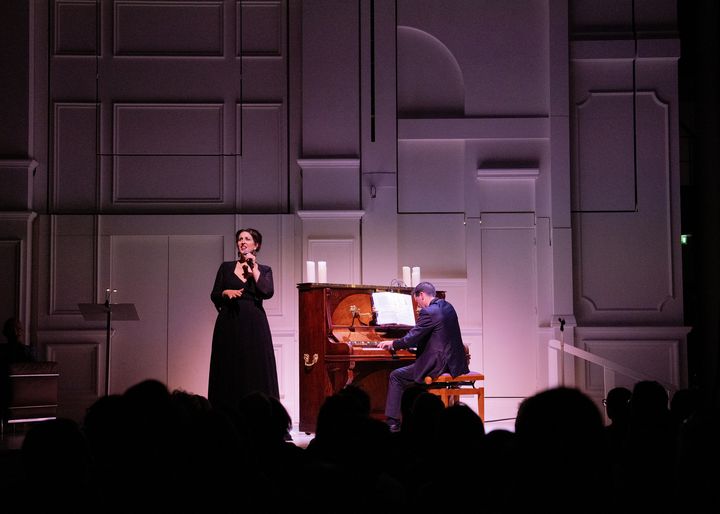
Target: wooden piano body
<point x="338" y="346"/>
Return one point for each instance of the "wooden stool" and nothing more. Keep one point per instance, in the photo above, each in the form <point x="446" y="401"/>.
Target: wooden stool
<point x="450" y="389"/>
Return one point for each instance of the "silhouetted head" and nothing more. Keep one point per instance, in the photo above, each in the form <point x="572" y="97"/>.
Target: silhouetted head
<point x="149" y="406"/>
<point x="106" y="422"/>
<point x="617" y="404"/>
<point x="340" y="413"/>
<point x="425" y="412"/>
<point x="148" y="391"/>
<point x="55" y="451"/>
<point x="649" y="400"/>
<point x="558" y="430"/>
<point x="560" y="422"/>
<point x="190" y="403"/>
<point x="358" y="398"/>
<point x="262" y="418"/>
<point x="408" y="400"/>
<point x="459" y="427"/>
<point x="684" y="403"/>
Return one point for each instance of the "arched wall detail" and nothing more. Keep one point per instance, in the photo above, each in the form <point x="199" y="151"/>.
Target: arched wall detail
<point x="424" y="63"/>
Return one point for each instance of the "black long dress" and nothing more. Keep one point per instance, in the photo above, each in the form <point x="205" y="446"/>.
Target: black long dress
<point x="242" y="359"/>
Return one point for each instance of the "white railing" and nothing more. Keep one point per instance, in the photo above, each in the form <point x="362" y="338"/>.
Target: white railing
<point x="610" y="368"/>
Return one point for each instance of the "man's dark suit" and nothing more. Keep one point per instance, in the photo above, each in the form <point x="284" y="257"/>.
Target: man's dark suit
<point x="440" y="350"/>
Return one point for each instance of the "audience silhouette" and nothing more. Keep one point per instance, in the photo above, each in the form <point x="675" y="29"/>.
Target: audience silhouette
<point x="684" y="403"/>
<point x="56" y="468"/>
<point x="169" y="450"/>
<point x="559" y="434"/>
<point x="649" y="455"/>
<point x="617" y="410"/>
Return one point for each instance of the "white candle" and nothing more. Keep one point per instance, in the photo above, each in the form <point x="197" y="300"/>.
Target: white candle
<point x="406" y="275"/>
<point x="415" y="276"/>
<point x="310" y="271"/>
<point x="322" y="272"/>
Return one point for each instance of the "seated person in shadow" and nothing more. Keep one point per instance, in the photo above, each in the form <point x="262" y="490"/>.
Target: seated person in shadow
<point x="14" y="349"/>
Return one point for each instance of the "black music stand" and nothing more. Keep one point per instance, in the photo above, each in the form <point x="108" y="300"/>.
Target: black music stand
<point x="109" y="312"/>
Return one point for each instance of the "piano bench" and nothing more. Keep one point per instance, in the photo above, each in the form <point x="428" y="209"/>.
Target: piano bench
<point x="450" y="389"/>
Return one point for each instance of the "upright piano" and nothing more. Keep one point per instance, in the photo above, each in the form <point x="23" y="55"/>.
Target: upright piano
<point x="338" y="346"/>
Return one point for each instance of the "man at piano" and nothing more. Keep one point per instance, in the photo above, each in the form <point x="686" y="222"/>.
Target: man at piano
<point x="440" y="349"/>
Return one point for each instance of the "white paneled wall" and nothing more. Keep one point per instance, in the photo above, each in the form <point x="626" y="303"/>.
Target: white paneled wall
<point x="523" y="154"/>
<point x="508" y="274"/>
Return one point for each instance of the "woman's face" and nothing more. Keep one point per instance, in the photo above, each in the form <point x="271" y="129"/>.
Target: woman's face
<point x="246" y="243"/>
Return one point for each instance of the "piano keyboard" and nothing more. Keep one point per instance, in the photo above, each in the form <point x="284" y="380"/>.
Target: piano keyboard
<point x="364" y="344"/>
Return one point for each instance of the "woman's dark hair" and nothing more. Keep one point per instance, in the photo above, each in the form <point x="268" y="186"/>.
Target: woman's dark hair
<point x="257" y="236"/>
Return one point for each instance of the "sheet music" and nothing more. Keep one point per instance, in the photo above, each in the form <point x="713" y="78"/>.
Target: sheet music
<point x="393" y="308"/>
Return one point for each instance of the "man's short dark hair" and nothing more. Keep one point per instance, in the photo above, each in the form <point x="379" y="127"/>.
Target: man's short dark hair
<point x="424" y="287"/>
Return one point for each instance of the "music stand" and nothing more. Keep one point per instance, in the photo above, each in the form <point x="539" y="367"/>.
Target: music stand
<point x="109" y="312"/>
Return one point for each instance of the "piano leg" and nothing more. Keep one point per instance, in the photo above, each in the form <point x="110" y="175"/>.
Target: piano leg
<point x="340" y="375"/>
<point x="371" y="377"/>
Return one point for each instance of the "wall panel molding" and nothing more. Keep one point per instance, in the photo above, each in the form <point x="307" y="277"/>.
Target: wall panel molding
<point x="331" y="215"/>
<point x="605" y="151"/>
<point x="171" y="29"/>
<point x="626" y="262"/>
<point x="75" y="179"/>
<point x="80" y="366"/>
<point x="261" y="35"/>
<point x="617" y="49"/>
<point x="509" y="173"/>
<point x="168" y="153"/>
<point x="660" y="352"/>
<point x="341" y="258"/>
<point x="286" y="357"/>
<point x="80" y="355"/>
<point x="73" y="263"/>
<point x="339" y="175"/>
<point x="516" y="127"/>
<point x="168" y="128"/>
<point x="75" y="28"/>
<point x="16" y="177"/>
<point x="262" y="177"/>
